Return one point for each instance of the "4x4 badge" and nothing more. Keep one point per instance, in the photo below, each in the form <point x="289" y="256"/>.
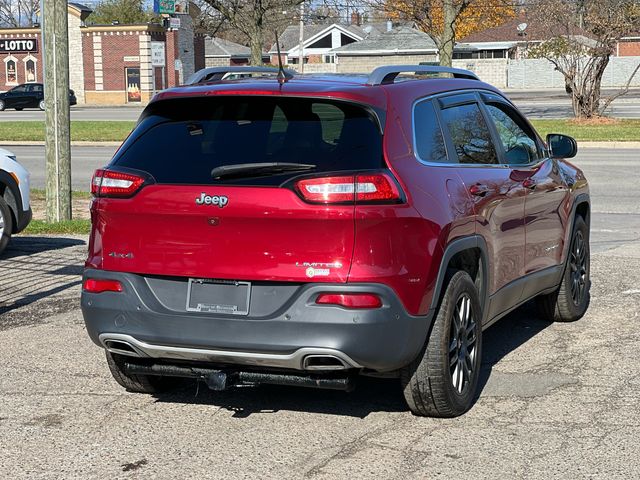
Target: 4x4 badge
<point x="219" y="200"/>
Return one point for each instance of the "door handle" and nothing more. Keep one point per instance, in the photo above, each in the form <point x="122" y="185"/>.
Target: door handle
<point x="478" y="190"/>
<point x="529" y="183"/>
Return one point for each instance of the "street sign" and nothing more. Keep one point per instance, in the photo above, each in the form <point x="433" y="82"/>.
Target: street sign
<point x="174" y="22"/>
<point x="157" y="54"/>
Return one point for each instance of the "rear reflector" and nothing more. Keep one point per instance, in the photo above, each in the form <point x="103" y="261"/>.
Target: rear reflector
<point x="92" y="285"/>
<point x="376" y="187"/>
<point x="108" y="183"/>
<point x="350" y="300"/>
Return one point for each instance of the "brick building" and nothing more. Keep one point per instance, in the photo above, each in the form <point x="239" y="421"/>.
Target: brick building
<point x="108" y="64"/>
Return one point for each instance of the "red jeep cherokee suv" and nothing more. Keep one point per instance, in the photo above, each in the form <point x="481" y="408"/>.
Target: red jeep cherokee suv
<point x="301" y="231"/>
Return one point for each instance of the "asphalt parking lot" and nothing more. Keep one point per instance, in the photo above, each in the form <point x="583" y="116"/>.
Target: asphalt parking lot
<point x="557" y="400"/>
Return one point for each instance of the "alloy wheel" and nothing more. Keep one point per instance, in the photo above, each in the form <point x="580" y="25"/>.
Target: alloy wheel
<point x="578" y="265"/>
<point x="1" y="224"/>
<point x="463" y="345"/>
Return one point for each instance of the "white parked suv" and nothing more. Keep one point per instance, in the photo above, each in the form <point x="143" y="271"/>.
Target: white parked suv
<point x="15" y="207"/>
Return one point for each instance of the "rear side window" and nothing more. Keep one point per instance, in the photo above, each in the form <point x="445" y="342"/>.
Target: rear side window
<point x="180" y="141"/>
<point x="429" y="140"/>
<point x="470" y="134"/>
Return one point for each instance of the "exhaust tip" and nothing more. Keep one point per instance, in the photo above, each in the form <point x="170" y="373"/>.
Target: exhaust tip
<point x="121" y="347"/>
<point x="323" y="362"/>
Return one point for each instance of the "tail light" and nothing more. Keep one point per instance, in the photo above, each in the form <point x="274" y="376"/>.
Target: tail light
<point x="362" y="188"/>
<point x="92" y="285"/>
<point x="109" y="183"/>
<point x="350" y="300"/>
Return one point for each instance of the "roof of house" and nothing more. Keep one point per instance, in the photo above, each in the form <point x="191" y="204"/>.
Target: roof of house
<point x="219" y="47"/>
<point x="400" y="39"/>
<point x="290" y="37"/>
<point x="533" y="32"/>
<point x="80" y="7"/>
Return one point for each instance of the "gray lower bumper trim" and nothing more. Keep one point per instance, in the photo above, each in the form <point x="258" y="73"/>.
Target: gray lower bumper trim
<point x="293" y="360"/>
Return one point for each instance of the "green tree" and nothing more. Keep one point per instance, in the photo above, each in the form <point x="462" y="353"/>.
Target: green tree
<point x="122" y="11"/>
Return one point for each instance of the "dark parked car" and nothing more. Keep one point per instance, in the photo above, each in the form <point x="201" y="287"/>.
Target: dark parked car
<point x="28" y="95"/>
<point x="309" y="230"/>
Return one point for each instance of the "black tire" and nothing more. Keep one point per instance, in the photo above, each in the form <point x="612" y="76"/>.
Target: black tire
<point x="2" y="106"/>
<point x="6" y="224"/>
<point x="430" y="384"/>
<point x="136" y="383"/>
<point x="19" y="109"/>
<point x="41" y="105"/>
<point x="570" y="302"/>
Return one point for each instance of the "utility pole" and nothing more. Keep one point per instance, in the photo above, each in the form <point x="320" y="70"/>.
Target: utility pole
<point x="56" y="96"/>
<point x="301" y="57"/>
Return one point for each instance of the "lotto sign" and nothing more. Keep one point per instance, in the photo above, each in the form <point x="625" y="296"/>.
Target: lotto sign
<point x="18" y="45"/>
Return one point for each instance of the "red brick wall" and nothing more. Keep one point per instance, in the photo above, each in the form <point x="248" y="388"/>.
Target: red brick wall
<point x="198" y="52"/>
<point x="114" y="49"/>
<point x="20" y="64"/>
<point x="629" y="48"/>
<point x="171" y="49"/>
<point x="160" y="82"/>
<point x="87" y="58"/>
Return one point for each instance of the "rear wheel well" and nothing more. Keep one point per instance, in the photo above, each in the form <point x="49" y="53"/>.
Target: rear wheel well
<point x="470" y="261"/>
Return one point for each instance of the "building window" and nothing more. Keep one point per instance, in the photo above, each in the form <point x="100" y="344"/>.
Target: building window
<point x="11" y="69"/>
<point x="30" y="72"/>
<point x="329" y="59"/>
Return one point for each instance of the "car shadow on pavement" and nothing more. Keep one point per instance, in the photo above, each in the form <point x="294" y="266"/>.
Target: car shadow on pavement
<point x="22" y="246"/>
<point x="506" y="336"/>
<point x="371" y="394"/>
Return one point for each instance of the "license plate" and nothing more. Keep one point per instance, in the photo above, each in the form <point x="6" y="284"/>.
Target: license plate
<point x="218" y="296"/>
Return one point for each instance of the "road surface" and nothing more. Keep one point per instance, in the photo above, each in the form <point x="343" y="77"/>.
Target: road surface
<point x="533" y="103"/>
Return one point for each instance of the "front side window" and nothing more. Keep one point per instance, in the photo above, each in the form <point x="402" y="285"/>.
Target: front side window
<point x="470" y="134"/>
<point x="519" y="145"/>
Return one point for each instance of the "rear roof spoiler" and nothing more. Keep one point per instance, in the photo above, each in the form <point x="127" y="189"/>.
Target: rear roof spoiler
<point x="214" y="74"/>
<point x="386" y="75"/>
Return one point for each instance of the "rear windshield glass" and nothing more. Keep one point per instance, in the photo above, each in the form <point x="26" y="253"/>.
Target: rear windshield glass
<point x="180" y="141"/>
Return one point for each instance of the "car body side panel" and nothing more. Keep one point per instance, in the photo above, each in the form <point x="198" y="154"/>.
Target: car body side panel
<point x="402" y="246"/>
<point x="545" y="222"/>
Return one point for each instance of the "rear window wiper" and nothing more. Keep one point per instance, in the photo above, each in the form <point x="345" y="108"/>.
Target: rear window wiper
<point x="258" y="169"/>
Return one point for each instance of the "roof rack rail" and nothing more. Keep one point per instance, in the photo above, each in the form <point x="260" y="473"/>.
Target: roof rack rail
<point x="387" y="74"/>
<point x="214" y="74"/>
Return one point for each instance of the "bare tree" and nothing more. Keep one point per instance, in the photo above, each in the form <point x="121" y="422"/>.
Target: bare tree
<point x="584" y="35"/>
<point x="255" y="19"/>
<point x="18" y="13"/>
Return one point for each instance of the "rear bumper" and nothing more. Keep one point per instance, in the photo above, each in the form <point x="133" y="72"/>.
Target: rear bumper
<point x="382" y="339"/>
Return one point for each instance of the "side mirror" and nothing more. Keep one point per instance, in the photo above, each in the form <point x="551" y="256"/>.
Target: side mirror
<point x="561" y="146"/>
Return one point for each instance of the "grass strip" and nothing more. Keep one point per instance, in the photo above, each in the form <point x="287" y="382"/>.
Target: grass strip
<point x="40" y="194"/>
<point x="625" y="130"/>
<point x="71" y="227"/>
<point x="85" y="131"/>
